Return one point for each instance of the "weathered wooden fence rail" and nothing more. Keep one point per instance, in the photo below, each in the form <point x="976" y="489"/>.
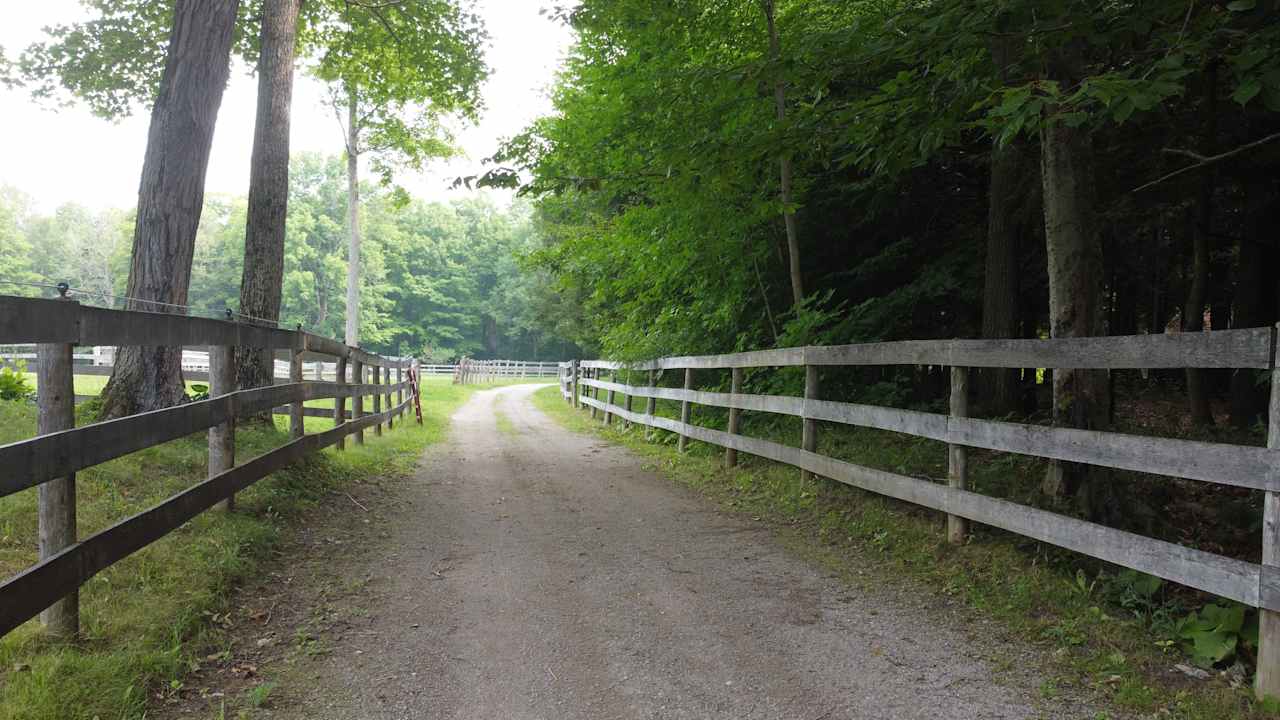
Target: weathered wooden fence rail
<point x="1257" y="468"/>
<point x="50" y="460"/>
<point x="469" y="371"/>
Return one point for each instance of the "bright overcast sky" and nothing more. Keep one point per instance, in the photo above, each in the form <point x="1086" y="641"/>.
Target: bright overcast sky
<point x="68" y="155"/>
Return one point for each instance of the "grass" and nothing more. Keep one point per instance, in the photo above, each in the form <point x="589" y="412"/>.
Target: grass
<point x="144" y="618"/>
<point x="1095" y="639"/>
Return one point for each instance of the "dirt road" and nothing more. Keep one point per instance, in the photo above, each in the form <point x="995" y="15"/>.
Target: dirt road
<point x="540" y="574"/>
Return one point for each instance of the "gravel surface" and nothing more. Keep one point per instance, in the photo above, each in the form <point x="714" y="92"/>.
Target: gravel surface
<point x="539" y="573"/>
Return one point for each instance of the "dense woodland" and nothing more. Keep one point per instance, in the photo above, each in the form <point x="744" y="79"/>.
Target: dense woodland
<point x="738" y="175"/>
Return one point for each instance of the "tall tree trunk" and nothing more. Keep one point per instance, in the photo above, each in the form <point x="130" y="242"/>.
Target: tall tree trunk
<point x="1080" y="397"/>
<point x="1000" y="276"/>
<point x="784" y="162"/>
<point x="170" y="197"/>
<point x="1193" y="319"/>
<point x="353" y="218"/>
<point x="1007" y="218"/>
<point x="1251" y="307"/>
<point x="260" y="285"/>
<point x="1199" y="221"/>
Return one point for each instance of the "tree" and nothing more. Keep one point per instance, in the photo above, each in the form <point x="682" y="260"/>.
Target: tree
<point x="15" y="248"/>
<point x="785" y="168"/>
<point x="396" y="69"/>
<point x="264" y="239"/>
<point x="170" y="197"/>
<point x="1080" y="397"/>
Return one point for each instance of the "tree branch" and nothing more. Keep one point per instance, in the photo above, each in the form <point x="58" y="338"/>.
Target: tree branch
<point x="1203" y="161"/>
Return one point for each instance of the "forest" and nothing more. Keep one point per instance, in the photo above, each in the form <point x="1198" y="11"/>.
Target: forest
<point x="722" y="176"/>
<point x="439" y="280"/>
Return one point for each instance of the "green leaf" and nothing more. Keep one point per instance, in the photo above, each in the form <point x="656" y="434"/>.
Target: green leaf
<point x="1211" y="648"/>
<point x="1242" y="5"/>
<point x="1247" y="91"/>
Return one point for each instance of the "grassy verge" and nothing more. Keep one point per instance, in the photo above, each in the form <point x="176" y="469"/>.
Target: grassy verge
<point x="1101" y="631"/>
<point x="145" y="618"/>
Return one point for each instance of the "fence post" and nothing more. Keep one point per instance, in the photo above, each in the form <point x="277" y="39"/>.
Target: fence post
<point x="357" y="401"/>
<point x="376" y="372"/>
<point x="577" y="401"/>
<point x="390" y="398"/>
<point x="340" y="403"/>
<point x="651" y="403"/>
<point x="56" y="411"/>
<point x="592" y="392"/>
<point x="957" y="455"/>
<point x="417" y="390"/>
<point x="1267" y="682"/>
<point x="222" y="438"/>
<point x="735" y="416"/>
<point x="809" y="431"/>
<point x="400" y="384"/>
<point x="684" y="410"/>
<point x="295" y="410"/>
<point x="608" y="399"/>
<point x="627" y="405"/>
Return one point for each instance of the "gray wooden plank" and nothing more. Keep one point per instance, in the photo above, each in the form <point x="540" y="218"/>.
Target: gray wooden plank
<point x="36" y="460"/>
<point x="1244" y="348"/>
<point x="1220" y="463"/>
<point x="1226" y="577"/>
<point x="36" y="320"/>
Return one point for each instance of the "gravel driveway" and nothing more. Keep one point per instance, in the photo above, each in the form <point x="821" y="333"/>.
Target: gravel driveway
<point x="544" y="574"/>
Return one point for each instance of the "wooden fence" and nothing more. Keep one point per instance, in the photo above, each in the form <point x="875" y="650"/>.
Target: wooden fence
<point x="1258" y="468"/>
<point x="50" y="460"/>
<point x="469" y="371"/>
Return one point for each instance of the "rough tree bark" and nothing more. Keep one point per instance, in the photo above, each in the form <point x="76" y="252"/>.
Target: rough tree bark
<point x="784" y="162"/>
<point x="260" y="284"/>
<point x="1081" y="398"/>
<point x="170" y="197"/>
<point x="353" y="218"/>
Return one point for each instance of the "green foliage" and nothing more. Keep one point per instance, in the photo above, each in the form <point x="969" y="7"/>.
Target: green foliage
<point x="1216" y="633"/>
<point x="13" y="383"/>
<point x="400" y="68"/>
<point x="443" y="280"/>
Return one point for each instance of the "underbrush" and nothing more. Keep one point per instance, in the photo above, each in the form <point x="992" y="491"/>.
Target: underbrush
<point x="1109" y="631"/>
<point x="145" y="619"/>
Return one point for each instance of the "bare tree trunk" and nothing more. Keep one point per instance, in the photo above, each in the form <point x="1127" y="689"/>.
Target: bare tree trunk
<point x="1013" y="200"/>
<point x="1251" y="306"/>
<point x="1193" y="311"/>
<point x="353" y="219"/>
<point x="1008" y="216"/>
<point x="784" y="162"/>
<point x="171" y="195"/>
<point x="1193" y="320"/>
<point x="260" y="284"/>
<point x="1080" y="397"/>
